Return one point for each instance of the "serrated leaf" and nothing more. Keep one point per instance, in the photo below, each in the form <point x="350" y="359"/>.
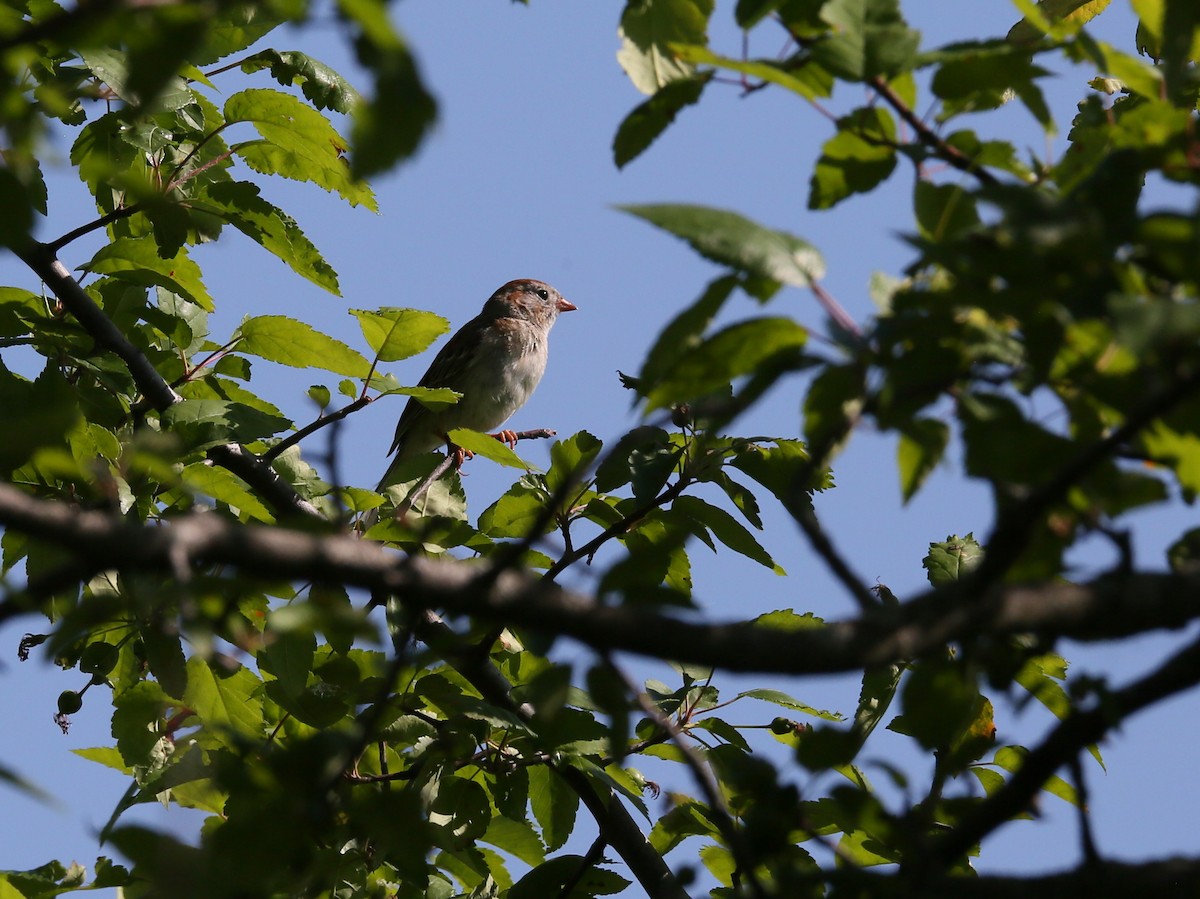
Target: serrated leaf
<point x="731" y="239"/>
<point x="226" y="487"/>
<point x="649" y="28"/>
<point x="228" y="704"/>
<point x="205" y="423"/>
<point x="740" y="349"/>
<point x="725" y="528"/>
<point x="943" y="210"/>
<point x="395" y="333"/>
<point x="570" y="457"/>
<point x="435" y="398"/>
<point x="290" y="342"/>
<point x="1050" y="16"/>
<point x="952" y="559"/>
<point x="922" y="445"/>
<point x="859" y="157"/>
<point x="515" y="513"/>
<point x="810" y="80"/>
<point x="685" y="331"/>
<point x="323" y="87"/>
<point x="650" y="119"/>
<point x="239" y="203"/>
<point x="554" y="805"/>
<point x="779" y="698"/>
<point x="488" y="447"/>
<point x="868" y="38"/>
<point x="1012" y="758"/>
<point x="298" y="143"/>
<point x="136" y="260"/>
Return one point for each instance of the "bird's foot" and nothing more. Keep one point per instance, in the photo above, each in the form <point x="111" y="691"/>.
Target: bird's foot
<point x="506" y="436"/>
<point x="460" y="456"/>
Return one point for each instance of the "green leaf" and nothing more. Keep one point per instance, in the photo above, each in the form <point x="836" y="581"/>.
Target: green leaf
<point x="554" y="805"/>
<point x="952" y="559"/>
<point x="647" y="121"/>
<point x="228" y="703"/>
<point x="290" y="342"/>
<point x="832" y="404"/>
<point x="288" y="655"/>
<point x="553" y="877"/>
<point x="234" y="27"/>
<point x="648" y="30"/>
<point x="1050" y="17"/>
<point x="856" y="159"/>
<point x="136" y="260"/>
<point x="732" y="352"/>
<point x="226" y="487"/>
<point x="298" y="143"/>
<point x="779" y="468"/>
<point x="570" y="458"/>
<point x="515" y="513"/>
<point x="922" y="444"/>
<point x="940" y="700"/>
<point x="321" y="85"/>
<point x="943" y="210"/>
<point x="725" y="528"/>
<point x="685" y="331"/>
<point x="390" y="124"/>
<point x="488" y="447"/>
<point x="733" y="240"/>
<point x="239" y="203"/>
<point x="435" y="398"/>
<point x="869" y="38"/>
<point x="1012" y="758"/>
<point x="205" y="423"/>
<point x="779" y="698"/>
<point x="809" y="80"/>
<point x="517" y="838"/>
<point x="396" y="334"/>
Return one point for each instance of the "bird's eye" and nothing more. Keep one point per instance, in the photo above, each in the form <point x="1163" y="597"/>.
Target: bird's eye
<point x="543" y="293"/>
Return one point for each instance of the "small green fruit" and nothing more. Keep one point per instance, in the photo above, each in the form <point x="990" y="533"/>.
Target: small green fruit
<point x="69" y="702"/>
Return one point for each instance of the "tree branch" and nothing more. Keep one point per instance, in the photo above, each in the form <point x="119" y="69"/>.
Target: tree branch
<point x="1075" y="732"/>
<point x="927" y="136"/>
<point x="1174" y="878"/>
<point x="1107" y="608"/>
<point x="46" y="265"/>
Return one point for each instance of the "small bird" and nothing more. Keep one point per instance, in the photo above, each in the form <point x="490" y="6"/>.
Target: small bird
<point x="495" y="361"/>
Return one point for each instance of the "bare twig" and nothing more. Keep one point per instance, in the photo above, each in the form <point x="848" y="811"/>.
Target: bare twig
<point x="308" y="430"/>
<point x="103" y="222"/>
<point x="927" y="136"/>
<point x="703" y="776"/>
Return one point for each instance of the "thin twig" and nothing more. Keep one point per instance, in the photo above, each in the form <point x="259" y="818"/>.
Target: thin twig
<point x="823" y="546"/>
<point x="308" y="430"/>
<point x="701" y="773"/>
<point x="927" y="136"/>
<point x="103" y="222"/>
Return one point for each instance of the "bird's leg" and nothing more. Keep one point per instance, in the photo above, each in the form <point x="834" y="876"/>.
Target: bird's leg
<point x="506" y="436"/>
<point x="460" y="455"/>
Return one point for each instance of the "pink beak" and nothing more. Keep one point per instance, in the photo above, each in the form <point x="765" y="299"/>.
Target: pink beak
<point x="565" y="305"/>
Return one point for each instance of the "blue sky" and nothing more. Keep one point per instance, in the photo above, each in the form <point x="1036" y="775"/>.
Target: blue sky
<point x="518" y="181"/>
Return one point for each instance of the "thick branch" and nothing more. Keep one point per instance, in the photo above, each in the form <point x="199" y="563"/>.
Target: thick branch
<point x="1108" y="608"/>
<point x="43" y="261"/>
<point x="1174" y="878"/>
<point x="1075" y="732"/>
<point x="75" y="300"/>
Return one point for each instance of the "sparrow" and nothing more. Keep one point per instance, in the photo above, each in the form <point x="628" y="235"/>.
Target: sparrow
<point x="495" y="361"/>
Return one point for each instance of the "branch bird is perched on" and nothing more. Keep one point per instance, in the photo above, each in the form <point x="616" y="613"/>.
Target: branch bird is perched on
<point x="495" y="361"/>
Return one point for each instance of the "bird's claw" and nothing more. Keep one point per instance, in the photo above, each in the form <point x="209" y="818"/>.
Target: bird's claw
<point x="506" y="436"/>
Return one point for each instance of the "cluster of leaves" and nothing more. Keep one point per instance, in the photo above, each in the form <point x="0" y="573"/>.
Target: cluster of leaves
<point x="458" y="765"/>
